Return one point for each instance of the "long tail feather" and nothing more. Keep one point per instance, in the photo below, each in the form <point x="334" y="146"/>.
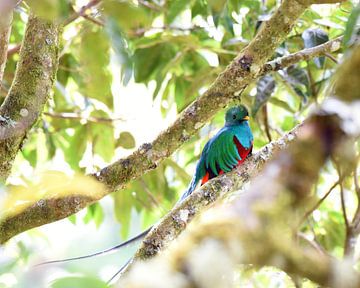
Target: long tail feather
<point x="107" y="251"/>
<point x="189" y="190"/>
<point x="119" y="271"/>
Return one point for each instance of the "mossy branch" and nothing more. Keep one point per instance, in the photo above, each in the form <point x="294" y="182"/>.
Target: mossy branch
<point x="30" y="89"/>
<point x="5" y="29"/>
<point x="149" y="155"/>
<point x="257" y="227"/>
<point x="178" y="218"/>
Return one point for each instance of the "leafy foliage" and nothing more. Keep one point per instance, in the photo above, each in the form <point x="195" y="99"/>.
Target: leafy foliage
<point x="127" y="68"/>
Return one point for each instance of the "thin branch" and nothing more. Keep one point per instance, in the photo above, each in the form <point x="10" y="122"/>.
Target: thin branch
<point x="322" y="199"/>
<point x="343" y="207"/>
<point x="353" y="229"/>
<point x="266" y="122"/>
<point x="149" y="5"/>
<point x="78" y="117"/>
<point x="332" y="58"/>
<point x="303" y="55"/>
<point x="82" y="12"/>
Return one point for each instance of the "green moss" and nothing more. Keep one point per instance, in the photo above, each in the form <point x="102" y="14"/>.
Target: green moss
<point x="30" y="90"/>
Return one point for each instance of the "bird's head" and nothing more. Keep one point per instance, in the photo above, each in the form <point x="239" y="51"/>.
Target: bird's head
<point x="236" y="115"/>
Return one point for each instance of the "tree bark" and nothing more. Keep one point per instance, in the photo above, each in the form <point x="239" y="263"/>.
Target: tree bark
<point x="5" y="29"/>
<point x="30" y="89"/>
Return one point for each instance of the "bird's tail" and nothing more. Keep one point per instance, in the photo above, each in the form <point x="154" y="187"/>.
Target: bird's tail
<point x="189" y="190"/>
<point x="104" y="252"/>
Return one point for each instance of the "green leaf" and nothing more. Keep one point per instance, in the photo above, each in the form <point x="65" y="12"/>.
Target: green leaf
<point x="102" y="137"/>
<point x="352" y="26"/>
<point x="94" y="61"/>
<point x="94" y="213"/>
<point x="72" y="218"/>
<point x="181" y="85"/>
<point x="264" y="88"/>
<point x="126" y="140"/>
<point x="78" y="282"/>
<point x="123" y="202"/>
<point x="199" y="8"/>
<point x="150" y="60"/>
<point x="280" y="103"/>
<point x="299" y="80"/>
<point x="312" y="38"/>
<point x="50" y="9"/>
<point x="73" y="146"/>
<point x="173" y="9"/>
<point x="129" y="16"/>
<point x="121" y="47"/>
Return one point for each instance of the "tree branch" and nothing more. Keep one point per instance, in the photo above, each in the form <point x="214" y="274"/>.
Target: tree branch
<point x="177" y="219"/>
<point x="257" y="226"/>
<point x="303" y="55"/>
<point x="5" y="29"/>
<point x="78" y="117"/>
<point x="30" y="90"/>
<point x="226" y="88"/>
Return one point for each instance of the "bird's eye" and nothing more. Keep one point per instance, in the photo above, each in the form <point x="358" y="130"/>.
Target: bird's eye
<point x="234" y="116"/>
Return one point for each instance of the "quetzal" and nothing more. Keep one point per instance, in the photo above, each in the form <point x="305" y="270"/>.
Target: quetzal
<point x="226" y="150"/>
<point x="222" y="153"/>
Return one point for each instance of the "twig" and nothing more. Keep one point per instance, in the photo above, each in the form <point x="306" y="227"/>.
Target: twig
<point x="332" y="58"/>
<point x="149" y="5"/>
<point x="343" y="207"/>
<point x="81" y="13"/>
<point x="303" y="55"/>
<point x="307" y="214"/>
<point x="78" y="117"/>
<point x="266" y="122"/>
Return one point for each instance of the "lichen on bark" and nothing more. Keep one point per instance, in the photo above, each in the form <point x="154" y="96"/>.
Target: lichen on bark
<point x="34" y="78"/>
<point x="5" y="29"/>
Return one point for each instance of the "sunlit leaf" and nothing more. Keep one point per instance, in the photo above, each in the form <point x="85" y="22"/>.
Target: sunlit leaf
<point x="49" y="185"/>
<point x="78" y="281"/>
<point x="94" y="213"/>
<point x="126" y="140"/>
<point x="94" y="61"/>
<point x="352" y="26"/>
<point x="173" y="9"/>
<point x="50" y="9"/>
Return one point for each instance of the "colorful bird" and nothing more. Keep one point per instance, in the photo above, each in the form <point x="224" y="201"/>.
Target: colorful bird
<point x="226" y="150"/>
<point x="222" y="153"/>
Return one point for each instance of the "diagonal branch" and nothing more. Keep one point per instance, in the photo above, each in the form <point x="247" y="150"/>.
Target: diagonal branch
<point x="30" y="90"/>
<point x="178" y="218"/>
<point x="257" y="226"/>
<point x="149" y="155"/>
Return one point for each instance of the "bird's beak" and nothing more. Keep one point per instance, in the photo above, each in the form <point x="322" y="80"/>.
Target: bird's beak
<point x="246" y="118"/>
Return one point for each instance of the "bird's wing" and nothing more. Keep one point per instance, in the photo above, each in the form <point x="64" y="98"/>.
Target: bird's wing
<point x="221" y="153"/>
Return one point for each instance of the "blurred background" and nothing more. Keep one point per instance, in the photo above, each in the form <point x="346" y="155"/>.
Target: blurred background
<point x="127" y="69"/>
